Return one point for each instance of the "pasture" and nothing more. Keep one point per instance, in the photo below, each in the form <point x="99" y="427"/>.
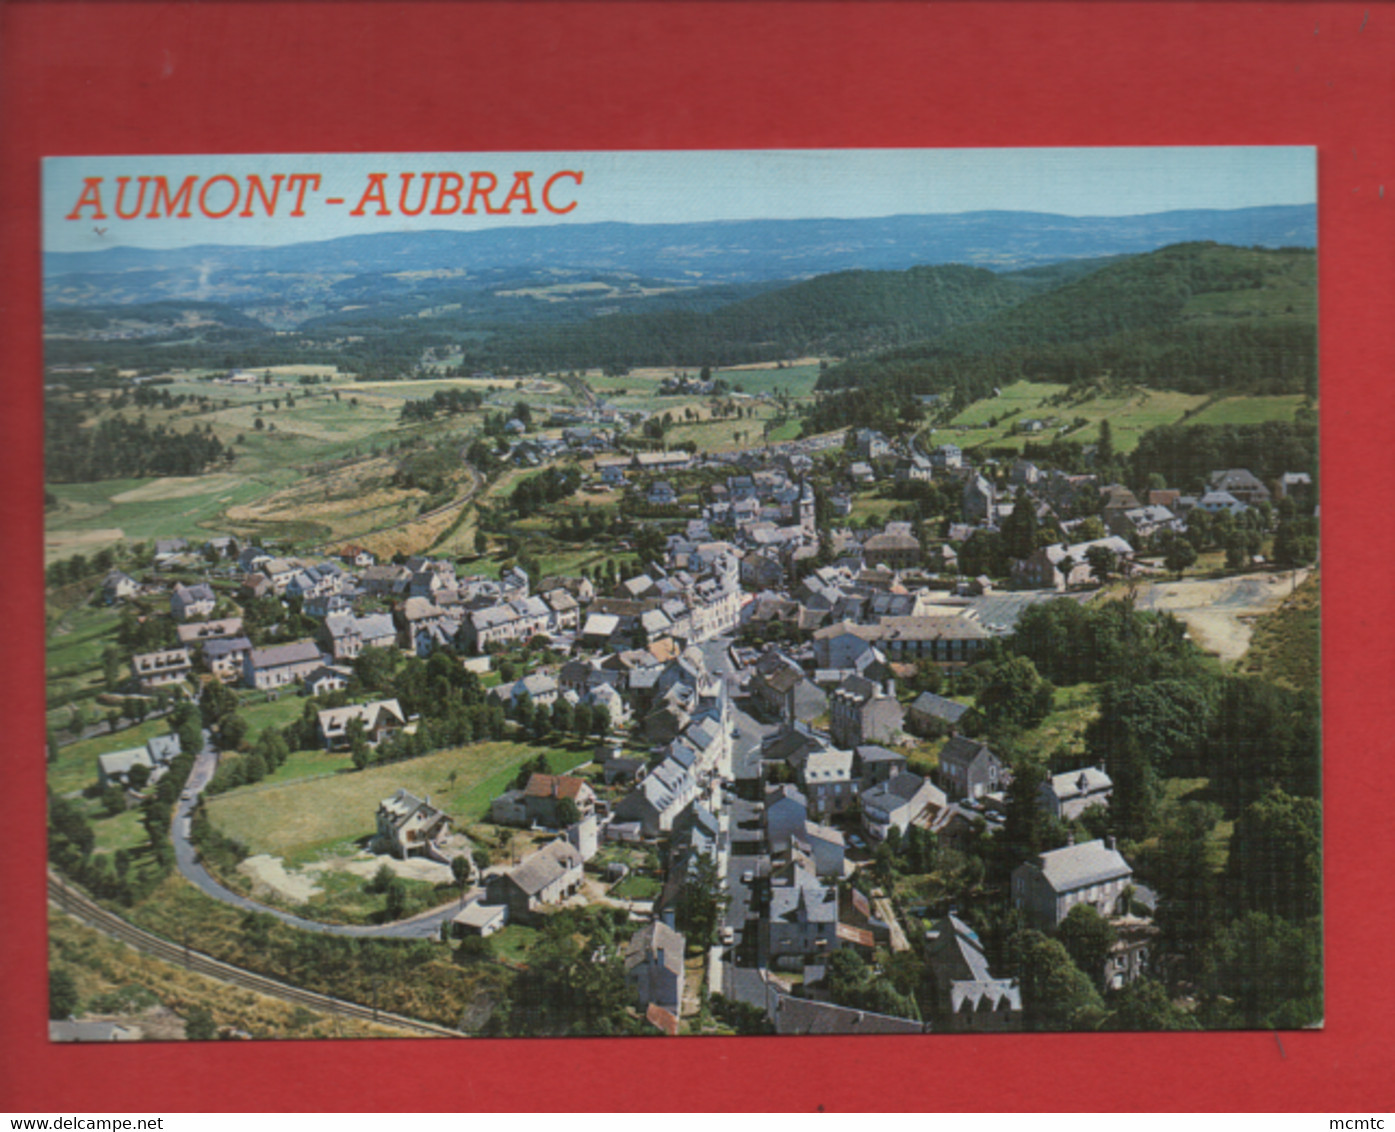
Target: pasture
<point x="993" y="422"/>
<point x="1250" y="410"/>
<point x="297" y="820"/>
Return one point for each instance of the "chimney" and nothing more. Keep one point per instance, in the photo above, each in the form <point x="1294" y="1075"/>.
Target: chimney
<point x="1113" y="842"/>
<point x="1070" y="838"/>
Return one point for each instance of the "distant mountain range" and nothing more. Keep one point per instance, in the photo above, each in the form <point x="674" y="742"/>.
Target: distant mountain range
<point x="288" y="284"/>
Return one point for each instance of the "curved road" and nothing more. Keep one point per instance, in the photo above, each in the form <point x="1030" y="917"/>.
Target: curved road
<point x="426" y="925"/>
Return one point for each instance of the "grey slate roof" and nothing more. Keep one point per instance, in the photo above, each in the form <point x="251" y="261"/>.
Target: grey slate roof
<point x="545" y="866"/>
<point x="1077" y="866"/>
<point x="927" y="703"/>
<point x="1076" y="783"/>
<point x="805" y="1016"/>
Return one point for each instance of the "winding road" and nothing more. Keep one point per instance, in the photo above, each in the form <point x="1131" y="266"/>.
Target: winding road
<point x="425" y="925"/>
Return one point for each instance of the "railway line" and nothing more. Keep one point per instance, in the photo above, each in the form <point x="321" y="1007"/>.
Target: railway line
<point x="94" y="915"/>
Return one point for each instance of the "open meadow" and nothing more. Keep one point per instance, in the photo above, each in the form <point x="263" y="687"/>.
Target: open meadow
<point x="299" y="819"/>
<point x="998" y="421"/>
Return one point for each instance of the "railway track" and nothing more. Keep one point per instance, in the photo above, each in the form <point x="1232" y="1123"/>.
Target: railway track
<point x="94" y="915"/>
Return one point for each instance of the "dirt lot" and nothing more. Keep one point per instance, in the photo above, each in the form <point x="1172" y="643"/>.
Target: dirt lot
<point x="269" y="873"/>
<point x="367" y="864"/>
<point x="1219" y="613"/>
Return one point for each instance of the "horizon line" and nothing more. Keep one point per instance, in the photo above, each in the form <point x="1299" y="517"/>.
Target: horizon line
<point x="524" y="227"/>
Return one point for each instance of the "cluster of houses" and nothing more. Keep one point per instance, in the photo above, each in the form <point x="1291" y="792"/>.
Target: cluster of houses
<point x="788" y="816"/>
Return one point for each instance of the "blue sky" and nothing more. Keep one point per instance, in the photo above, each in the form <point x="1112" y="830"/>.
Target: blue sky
<point x="679" y="186"/>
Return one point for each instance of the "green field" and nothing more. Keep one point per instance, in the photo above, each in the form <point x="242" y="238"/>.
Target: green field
<point x="293" y="441"/>
<point x="299" y="819"/>
<point x="121" y="832"/>
<point x="1130" y="415"/>
<point x="269" y="713"/>
<point x="76" y="768"/>
<point x="1250" y="410"/>
<point x="73" y="658"/>
<point x="796" y="380"/>
<point x="636" y="887"/>
<point x="726" y="434"/>
<point x="92" y="515"/>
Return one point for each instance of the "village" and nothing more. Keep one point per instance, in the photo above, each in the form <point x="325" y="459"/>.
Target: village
<point x="784" y="750"/>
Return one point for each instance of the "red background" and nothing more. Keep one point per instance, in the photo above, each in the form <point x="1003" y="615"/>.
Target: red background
<point x="105" y="78"/>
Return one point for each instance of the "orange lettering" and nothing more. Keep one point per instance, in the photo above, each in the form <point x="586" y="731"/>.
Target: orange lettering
<point x="298" y="183"/>
<point x="203" y="196"/>
<point x="426" y="179"/>
<point x="451" y="184"/>
<point x="481" y="185"/>
<point x="91" y="197"/>
<point x="575" y="175"/>
<point x="374" y="192"/>
<point x="256" y="188"/>
<point x="181" y="200"/>
<point x="121" y="183"/>
<point x="522" y="190"/>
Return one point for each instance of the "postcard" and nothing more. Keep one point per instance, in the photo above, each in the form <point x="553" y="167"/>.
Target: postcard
<point x="694" y="593"/>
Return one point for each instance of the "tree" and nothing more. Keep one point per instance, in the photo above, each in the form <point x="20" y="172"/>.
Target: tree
<point x="1178" y="553"/>
<point x="63" y="999"/>
<point x="460" y="871"/>
<point x="217" y="702"/>
<point x="396" y="906"/>
<point x="1087" y="937"/>
<point x="702" y="901"/>
<point x="1103" y="562"/>
<point x="567" y="813"/>
<point x="1027" y="826"/>
<point x="1091" y="528"/>
<point x="1019" y="529"/>
<point x="1056" y="994"/>
<point x="1187" y="888"/>
<point x="1104" y="447"/>
<point x="360" y="753"/>
<point x="113" y="801"/>
<point x="199" y="1025"/>
<point x="138" y="776"/>
<point x="1295" y="542"/>
<point x="562" y="716"/>
<point x="1275" y="862"/>
<point x="1013" y="696"/>
<point x="112" y="666"/>
<point x="1263" y="971"/>
<point x="232" y="732"/>
<point x="1144" y="1005"/>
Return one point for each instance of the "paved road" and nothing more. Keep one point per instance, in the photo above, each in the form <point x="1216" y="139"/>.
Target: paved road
<point x="424" y="926"/>
<point x="749" y="731"/>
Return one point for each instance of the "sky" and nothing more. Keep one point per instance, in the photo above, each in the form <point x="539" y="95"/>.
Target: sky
<point x="668" y="187"/>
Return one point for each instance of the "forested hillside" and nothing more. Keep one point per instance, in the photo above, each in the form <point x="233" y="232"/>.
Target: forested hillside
<point x="836" y="314"/>
<point x="1194" y="317"/>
